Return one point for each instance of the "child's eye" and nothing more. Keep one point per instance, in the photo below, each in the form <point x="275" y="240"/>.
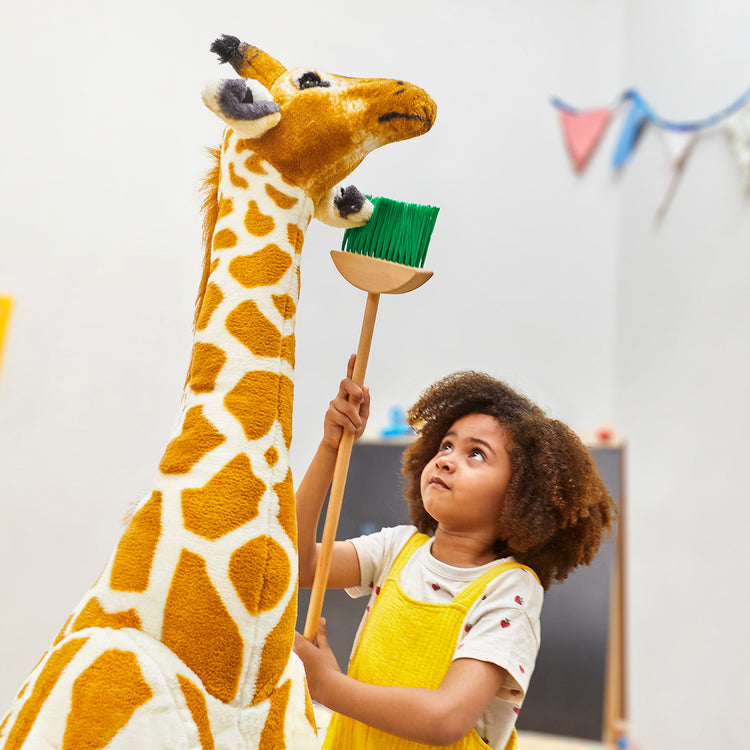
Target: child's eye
<point x="477" y="453"/>
<point x="446" y="446"/>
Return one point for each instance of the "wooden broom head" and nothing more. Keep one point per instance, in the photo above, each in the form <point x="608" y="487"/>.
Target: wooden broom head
<point x="378" y="276"/>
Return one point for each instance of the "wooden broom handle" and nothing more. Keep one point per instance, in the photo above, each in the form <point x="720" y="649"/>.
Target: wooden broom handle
<point x="338" y="483"/>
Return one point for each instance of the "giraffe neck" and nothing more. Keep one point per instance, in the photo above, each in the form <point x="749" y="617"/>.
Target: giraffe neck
<point x="208" y="563"/>
<point x="248" y="313"/>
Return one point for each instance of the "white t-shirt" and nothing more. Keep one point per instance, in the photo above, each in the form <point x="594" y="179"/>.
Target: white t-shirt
<point x="502" y="627"/>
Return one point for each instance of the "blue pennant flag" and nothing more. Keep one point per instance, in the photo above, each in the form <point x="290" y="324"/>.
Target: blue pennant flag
<point x="631" y="131"/>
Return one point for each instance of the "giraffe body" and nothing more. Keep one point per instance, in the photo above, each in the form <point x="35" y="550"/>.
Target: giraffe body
<point x="186" y="638"/>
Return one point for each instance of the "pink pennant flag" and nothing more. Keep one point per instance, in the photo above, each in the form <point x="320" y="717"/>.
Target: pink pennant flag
<point x="678" y="145"/>
<point x="583" y="131"/>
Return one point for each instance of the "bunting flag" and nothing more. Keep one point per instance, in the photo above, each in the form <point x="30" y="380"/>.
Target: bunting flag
<point x="583" y="130"/>
<point x="635" y="121"/>
<point x="737" y="129"/>
<point x="678" y="145"/>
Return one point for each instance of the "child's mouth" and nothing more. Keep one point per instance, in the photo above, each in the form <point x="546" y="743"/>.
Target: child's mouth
<point x="439" y="482"/>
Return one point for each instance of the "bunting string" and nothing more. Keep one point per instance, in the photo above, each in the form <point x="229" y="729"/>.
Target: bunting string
<point x="583" y="129"/>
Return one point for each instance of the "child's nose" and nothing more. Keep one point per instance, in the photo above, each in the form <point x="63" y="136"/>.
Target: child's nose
<point x="443" y="462"/>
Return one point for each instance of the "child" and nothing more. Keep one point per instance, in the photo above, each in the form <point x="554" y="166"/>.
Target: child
<point x="503" y="502"/>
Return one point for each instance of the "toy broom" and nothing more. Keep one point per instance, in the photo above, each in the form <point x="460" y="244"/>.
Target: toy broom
<point x="383" y="257"/>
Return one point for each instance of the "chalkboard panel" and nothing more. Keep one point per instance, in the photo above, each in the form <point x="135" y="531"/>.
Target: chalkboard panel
<point x="566" y="695"/>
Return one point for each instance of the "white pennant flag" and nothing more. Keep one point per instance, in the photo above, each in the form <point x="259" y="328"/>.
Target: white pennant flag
<point x="737" y="129"/>
<point x="678" y="145"/>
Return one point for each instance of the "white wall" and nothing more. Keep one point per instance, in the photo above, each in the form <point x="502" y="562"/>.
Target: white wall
<point x="683" y="352"/>
<point x="561" y="285"/>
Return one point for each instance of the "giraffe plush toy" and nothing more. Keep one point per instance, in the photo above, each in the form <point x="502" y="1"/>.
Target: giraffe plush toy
<point x="185" y="640"/>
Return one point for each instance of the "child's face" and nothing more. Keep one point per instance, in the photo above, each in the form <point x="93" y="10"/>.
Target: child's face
<point x="463" y="487"/>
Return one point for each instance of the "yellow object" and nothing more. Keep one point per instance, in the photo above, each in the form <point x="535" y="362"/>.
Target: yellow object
<point x="408" y="643"/>
<point x="6" y="306"/>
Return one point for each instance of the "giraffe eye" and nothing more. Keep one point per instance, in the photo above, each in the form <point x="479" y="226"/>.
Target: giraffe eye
<point x="310" y="80"/>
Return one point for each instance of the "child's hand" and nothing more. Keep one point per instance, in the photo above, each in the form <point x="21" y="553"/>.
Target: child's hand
<point x="318" y="659"/>
<point x="348" y="411"/>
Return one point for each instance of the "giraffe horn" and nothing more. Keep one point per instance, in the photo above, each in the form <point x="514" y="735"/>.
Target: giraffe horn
<point x="248" y="61"/>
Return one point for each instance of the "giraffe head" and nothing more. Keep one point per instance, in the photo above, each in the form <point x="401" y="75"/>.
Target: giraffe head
<point x="313" y="127"/>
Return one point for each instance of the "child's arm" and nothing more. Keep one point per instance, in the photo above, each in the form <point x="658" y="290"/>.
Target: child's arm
<point x="434" y="717"/>
<point x="348" y="411"/>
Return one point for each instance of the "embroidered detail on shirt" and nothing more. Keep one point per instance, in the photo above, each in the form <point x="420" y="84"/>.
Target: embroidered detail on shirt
<point x="468" y="627"/>
<point x="435" y="587"/>
<point x="504" y="623"/>
<point x="518" y="600"/>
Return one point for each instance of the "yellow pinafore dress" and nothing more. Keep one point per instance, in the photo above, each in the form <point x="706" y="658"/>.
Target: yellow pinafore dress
<point x="409" y="643"/>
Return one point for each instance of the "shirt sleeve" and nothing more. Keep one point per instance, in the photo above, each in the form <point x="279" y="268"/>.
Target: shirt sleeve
<point x="376" y="553"/>
<point x="502" y="627"/>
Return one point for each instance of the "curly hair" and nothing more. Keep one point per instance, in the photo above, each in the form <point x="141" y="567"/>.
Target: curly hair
<point x="556" y="506"/>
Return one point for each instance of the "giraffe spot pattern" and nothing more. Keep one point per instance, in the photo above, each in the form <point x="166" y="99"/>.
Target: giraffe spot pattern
<point x="295" y="236"/>
<point x="246" y="144"/>
<point x="62" y="632"/>
<point x="282" y="200"/>
<point x="94" y="616"/>
<point x="275" y="654"/>
<point x="248" y="324"/>
<point x="260" y="572"/>
<point x="288" y="347"/>
<point x="287" y="515"/>
<point x="271" y="456"/>
<point x="211" y="300"/>
<point x="258" y="399"/>
<point x="3" y="723"/>
<point x="310" y="711"/>
<point x="205" y="366"/>
<point x="235" y="179"/>
<point x="254" y="163"/>
<point x="198" y="438"/>
<point x="46" y="681"/>
<point x="200" y="630"/>
<point x="285" y="305"/>
<point x="272" y="736"/>
<point x="226" y="206"/>
<point x="104" y="697"/>
<point x="196" y="703"/>
<point x="258" y="224"/>
<point x="263" y="268"/>
<point x="227" y="501"/>
<point x="224" y="239"/>
<point x="131" y="567"/>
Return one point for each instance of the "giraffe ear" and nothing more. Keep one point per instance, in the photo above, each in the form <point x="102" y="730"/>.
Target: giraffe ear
<point x="344" y="207"/>
<point x="245" y="105"/>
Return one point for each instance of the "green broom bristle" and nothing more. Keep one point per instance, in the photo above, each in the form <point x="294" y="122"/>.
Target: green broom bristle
<point x="399" y="232"/>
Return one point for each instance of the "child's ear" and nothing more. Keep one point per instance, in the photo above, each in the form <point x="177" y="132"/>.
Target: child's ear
<point x="245" y="105"/>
